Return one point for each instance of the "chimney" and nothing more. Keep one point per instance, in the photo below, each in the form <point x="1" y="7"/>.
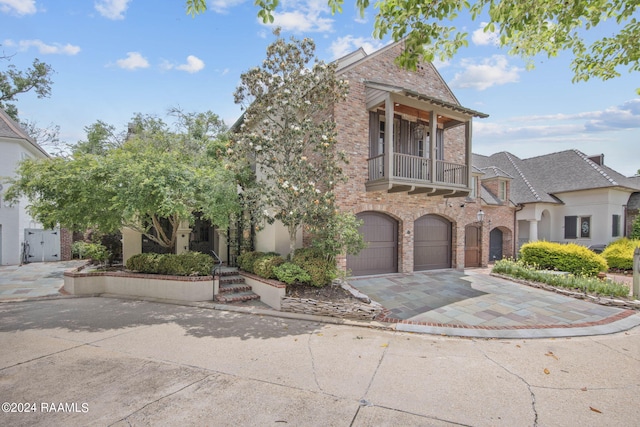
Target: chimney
<point x="598" y="159"/>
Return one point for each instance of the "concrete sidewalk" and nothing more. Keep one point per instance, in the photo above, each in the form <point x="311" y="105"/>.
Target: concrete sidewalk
<point x="104" y="361"/>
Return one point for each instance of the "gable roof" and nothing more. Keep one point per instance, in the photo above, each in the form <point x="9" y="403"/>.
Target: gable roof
<point x="12" y="130"/>
<point x="539" y="179"/>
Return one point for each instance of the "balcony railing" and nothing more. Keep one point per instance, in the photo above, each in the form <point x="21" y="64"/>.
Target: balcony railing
<point x="417" y="170"/>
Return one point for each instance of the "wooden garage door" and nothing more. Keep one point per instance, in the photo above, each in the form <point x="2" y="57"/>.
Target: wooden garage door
<point x="432" y="243"/>
<point x="380" y="231"/>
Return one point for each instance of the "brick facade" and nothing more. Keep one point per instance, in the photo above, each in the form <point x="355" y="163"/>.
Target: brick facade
<point x="352" y="122"/>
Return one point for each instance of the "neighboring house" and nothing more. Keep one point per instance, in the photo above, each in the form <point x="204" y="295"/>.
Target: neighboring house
<point x="567" y="197"/>
<point x="17" y="229"/>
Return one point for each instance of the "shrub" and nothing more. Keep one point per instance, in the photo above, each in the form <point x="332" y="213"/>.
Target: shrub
<point x="321" y="270"/>
<point x="248" y="259"/>
<point x="185" y="264"/>
<point x="619" y="254"/>
<point x="291" y="273"/>
<point x="572" y="258"/>
<point x="591" y="285"/>
<point x="265" y="265"/>
<point x="93" y="251"/>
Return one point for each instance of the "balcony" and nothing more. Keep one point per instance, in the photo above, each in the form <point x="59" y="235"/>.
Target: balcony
<point x="417" y="175"/>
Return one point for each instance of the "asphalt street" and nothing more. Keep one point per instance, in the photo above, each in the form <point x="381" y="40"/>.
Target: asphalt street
<point x="117" y="362"/>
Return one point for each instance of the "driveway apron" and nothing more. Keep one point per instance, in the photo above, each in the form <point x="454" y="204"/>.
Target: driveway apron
<point x="38" y="279"/>
<point x="475" y="303"/>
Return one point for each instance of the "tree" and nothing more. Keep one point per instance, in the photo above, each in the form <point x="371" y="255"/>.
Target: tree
<point x="288" y="133"/>
<point x="525" y="27"/>
<point x="14" y="82"/>
<point x="156" y="175"/>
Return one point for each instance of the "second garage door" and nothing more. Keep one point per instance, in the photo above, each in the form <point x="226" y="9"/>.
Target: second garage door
<point x="380" y="231"/>
<point x="432" y="243"/>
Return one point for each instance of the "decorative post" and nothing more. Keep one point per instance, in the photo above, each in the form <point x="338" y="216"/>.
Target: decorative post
<point x="636" y="273"/>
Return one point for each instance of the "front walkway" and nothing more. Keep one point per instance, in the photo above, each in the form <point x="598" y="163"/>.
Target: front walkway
<point x="475" y="303"/>
<point x="38" y="279"/>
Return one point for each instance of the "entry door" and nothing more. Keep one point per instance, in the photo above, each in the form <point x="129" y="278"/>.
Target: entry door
<point x="472" y="246"/>
<point x="42" y="245"/>
<point x="380" y="231"/>
<point x="432" y="243"/>
<point x="495" y="245"/>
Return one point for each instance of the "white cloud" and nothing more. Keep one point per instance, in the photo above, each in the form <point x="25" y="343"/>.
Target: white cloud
<point x="112" y="9"/>
<point x="223" y="6"/>
<point x="19" y="7"/>
<point x="303" y="16"/>
<point x="345" y="45"/>
<point x="489" y="72"/>
<point x="132" y="61"/>
<point x="193" y="65"/>
<point x="43" y="48"/>
<point x="480" y="37"/>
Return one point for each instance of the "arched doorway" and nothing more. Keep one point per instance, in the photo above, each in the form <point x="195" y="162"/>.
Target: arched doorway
<point x="495" y="245"/>
<point x="432" y="243"/>
<point x="380" y="231"/>
<point x="472" y="245"/>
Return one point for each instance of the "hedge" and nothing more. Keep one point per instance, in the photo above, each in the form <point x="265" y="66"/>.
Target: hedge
<point x="321" y="270"/>
<point x="572" y="258"/>
<point x="619" y="254"/>
<point x="185" y="264"/>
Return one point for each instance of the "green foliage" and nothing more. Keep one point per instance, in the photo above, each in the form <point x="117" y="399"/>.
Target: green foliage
<point x="158" y="173"/>
<point x="321" y="270"/>
<point x="247" y="260"/>
<point x="525" y="27"/>
<point x="288" y="133"/>
<point x="619" y="254"/>
<point x="264" y="266"/>
<point x="338" y="235"/>
<point x="572" y="258"/>
<point x="291" y="273"/>
<point x="591" y="285"/>
<point x="93" y="251"/>
<point x="635" y="231"/>
<point x="14" y="82"/>
<point x="185" y="264"/>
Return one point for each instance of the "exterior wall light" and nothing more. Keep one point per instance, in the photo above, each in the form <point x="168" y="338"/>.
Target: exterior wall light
<point x="480" y="215"/>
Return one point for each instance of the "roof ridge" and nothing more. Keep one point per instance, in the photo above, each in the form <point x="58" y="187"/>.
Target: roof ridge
<point x="595" y="166"/>
<point x="524" y="178"/>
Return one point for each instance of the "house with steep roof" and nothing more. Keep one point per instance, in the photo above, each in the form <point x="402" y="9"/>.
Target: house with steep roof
<point x="22" y="239"/>
<point x="410" y="174"/>
<point x="566" y="197"/>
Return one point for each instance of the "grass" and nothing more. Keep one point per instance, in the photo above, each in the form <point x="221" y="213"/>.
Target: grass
<point x="589" y="285"/>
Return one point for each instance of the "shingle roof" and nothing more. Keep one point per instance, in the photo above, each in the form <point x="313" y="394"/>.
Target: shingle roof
<point x="10" y="129"/>
<point x="539" y="179"/>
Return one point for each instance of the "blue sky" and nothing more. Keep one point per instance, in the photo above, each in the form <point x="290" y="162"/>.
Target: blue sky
<point x="114" y="58"/>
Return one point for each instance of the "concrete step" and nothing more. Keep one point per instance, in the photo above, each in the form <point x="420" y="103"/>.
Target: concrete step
<point x="231" y="279"/>
<point x="237" y="297"/>
<point x="230" y="288"/>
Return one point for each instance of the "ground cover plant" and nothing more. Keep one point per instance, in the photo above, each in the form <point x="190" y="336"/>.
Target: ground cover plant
<point x="184" y="264"/>
<point x="591" y="285"/>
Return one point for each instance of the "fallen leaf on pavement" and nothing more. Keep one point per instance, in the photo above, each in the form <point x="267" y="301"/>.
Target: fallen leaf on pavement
<point x="583" y="389"/>
<point x="546" y="371"/>
<point x="552" y="355"/>
<point x="595" y="410"/>
<point x="384" y="345"/>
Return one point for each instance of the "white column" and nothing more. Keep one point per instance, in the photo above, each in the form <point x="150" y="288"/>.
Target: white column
<point x="388" y="137"/>
<point x="533" y="230"/>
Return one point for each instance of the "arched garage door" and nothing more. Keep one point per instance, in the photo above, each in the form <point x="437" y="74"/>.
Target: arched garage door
<point x="380" y="231"/>
<point x="432" y="243"/>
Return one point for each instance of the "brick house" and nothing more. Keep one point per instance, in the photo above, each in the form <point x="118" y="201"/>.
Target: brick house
<point x="410" y="174"/>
